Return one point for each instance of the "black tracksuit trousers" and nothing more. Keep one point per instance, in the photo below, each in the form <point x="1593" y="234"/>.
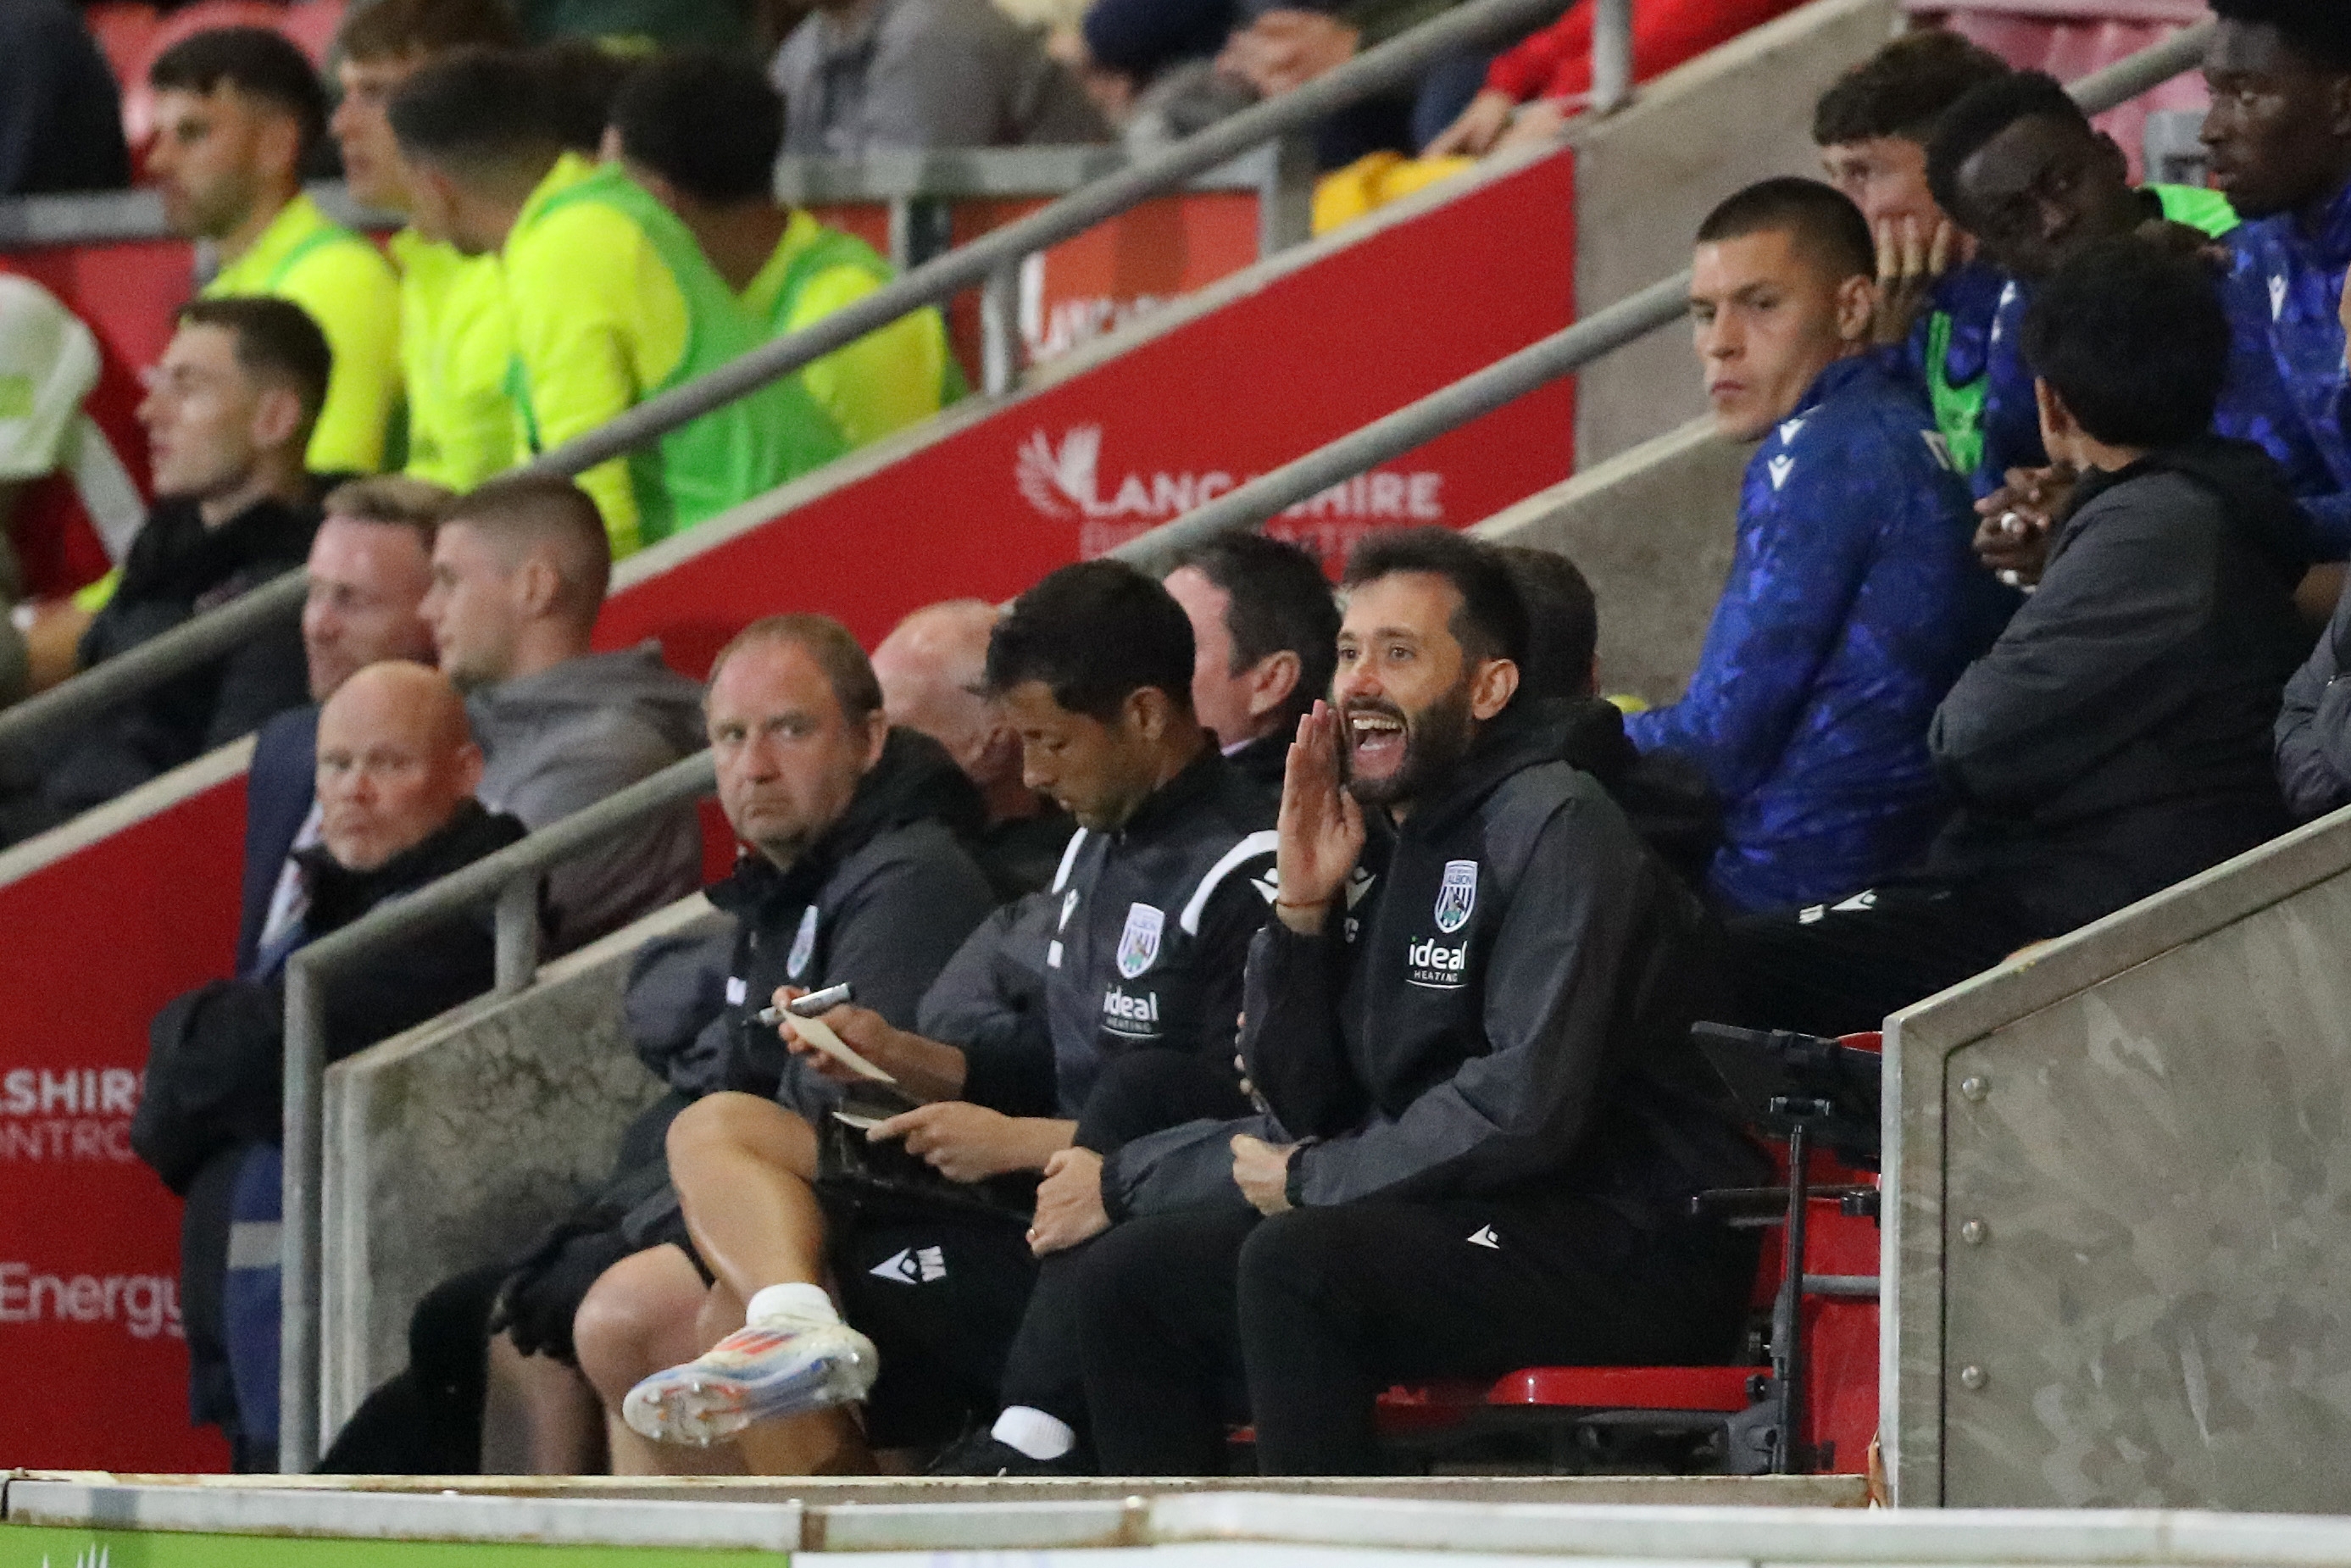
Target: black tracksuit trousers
<point x="1309" y="1314"/>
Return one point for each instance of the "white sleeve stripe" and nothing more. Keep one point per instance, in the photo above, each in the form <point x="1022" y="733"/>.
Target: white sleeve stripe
<point x="1069" y="860"/>
<point x="1258" y="844"/>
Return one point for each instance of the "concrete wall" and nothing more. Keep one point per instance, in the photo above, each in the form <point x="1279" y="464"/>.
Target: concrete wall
<point x="454" y="1144"/>
<point x="1644" y="179"/>
<point x="1651" y="529"/>
<point x="2119" y="1206"/>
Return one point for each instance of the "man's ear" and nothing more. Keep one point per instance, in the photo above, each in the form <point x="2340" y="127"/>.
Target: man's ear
<point x="535" y="585"/>
<point x="877" y="736"/>
<point x="469" y="768"/>
<point x="278" y="141"/>
<point x="1271" y="680"/>
<point x="1492" y="688"/>
<point x="1152" y="712"/>
<point x="2110" y="153"/>
<point x="276" y="418"/>
<point x="1856" y="308"/>
<point x="2057" y="422"/>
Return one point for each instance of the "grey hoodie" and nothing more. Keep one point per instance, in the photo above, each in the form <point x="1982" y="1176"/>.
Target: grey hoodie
<point x="567" y="737"/>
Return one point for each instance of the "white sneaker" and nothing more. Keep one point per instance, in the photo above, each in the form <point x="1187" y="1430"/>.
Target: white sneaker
<point x="753" y="1374"/>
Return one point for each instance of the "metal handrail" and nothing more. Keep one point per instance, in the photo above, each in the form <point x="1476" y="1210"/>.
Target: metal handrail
<point x="511" y="876"/>
<point x="933" y="282"/>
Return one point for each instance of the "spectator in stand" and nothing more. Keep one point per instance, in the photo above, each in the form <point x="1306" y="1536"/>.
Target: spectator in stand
<point x="396" y="776"/>
<point x="1664" y="795"/>
<point x="2020" y="167"/>
<point x="2314" y="733"/>
<point x="2279" y="137"/>
<point x="2117" y="737"/>
<point x="239" y="111"/>
<point x="1533" y="88"/>
<point x="60" y="114"/>
<point x="1936" y="301"/>
<point x="640" y="28"/>
<point x="860" y="75"/>
<point x="519" y="570"/>
<point x="228" y="413"/>
<point x="370" y="564"/>
<point x="1478" y="1130"/>
<point x="1854" y="600"/>
<point x="610" y="299"/>
<point x="1265" y="630"/>
<point x="455" y="339"/>
<point x="932" y="667"/>
<point x="1155" y="907"/>
<point x="702" y="133"/>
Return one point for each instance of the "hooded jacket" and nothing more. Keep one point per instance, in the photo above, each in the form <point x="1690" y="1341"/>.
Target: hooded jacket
<point x="569" y="736"/>
<point x="215" y="1054"/>
<point x="178" y="568"/>
<point x="1664" y="796"/>
<point x="1854" y="602"/>
<point x="1504" y="1003"/>
<point x="881" y="901"/>
<point x="2117" y="737"/>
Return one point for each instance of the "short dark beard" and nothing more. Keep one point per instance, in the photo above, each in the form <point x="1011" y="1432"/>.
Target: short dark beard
<point x="1435" y="739"/>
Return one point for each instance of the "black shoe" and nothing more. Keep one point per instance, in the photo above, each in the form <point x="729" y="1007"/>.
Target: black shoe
<point x="980" y="1453"/>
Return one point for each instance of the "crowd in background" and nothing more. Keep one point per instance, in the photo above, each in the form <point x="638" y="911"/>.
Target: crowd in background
<point x="1259" y="998"/>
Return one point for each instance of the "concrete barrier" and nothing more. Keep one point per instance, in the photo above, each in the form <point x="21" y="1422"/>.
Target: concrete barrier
<point x="1644" y="179"/>
<point x="451" y="1146"/>
<point x="2118" y="1224"/>
<point x="1651" y="529"/>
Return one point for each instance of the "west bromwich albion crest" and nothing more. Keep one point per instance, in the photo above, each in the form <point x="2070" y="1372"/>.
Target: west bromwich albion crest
<point x="1457" y="897"/>
<point x="1138" y="944"/>
<point x="803" y="946"/>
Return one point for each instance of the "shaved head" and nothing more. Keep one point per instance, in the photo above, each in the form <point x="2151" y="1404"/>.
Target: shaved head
<point x="396" y="759"/>
<point x="931" y="667"/>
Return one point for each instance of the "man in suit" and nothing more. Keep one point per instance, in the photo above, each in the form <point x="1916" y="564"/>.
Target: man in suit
<point x="369" y="567"/>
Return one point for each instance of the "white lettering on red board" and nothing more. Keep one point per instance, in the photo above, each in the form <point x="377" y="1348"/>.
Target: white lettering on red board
<point x="145" y="1305"/>
<point x="67" y="1114"/>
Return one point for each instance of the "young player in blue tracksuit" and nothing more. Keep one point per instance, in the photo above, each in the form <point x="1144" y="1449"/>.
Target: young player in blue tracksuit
<point x="2281" y="149"/>
<point x="1854" y="602"/>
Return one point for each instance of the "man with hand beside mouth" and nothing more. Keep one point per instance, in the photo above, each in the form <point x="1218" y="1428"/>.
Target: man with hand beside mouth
<point x="1854" y="600"/>
<point x="1482" y="1112"/>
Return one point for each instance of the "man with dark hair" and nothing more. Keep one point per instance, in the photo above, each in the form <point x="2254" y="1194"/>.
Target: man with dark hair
<point x="455" y="340"/>
<point x="2279" y="137"/>
<point x="702" y="133"/>
<point x="229" y="412"/>
<point x="1154" y="908"/>
<point x="1481" y="1115"/>
<point x="2020" y="167"/>
<point x="1853" y="601"/>
<point x="238" y="114"/>
<point x="1264" y="631"/>
<point x="2116" y="738"/>
<point x="519" y="570"/>
<point x="1664" y="795"/>
<point x="1936" y="301"/>
<point x="370" y="564"/>
<point x="612" y="302"/>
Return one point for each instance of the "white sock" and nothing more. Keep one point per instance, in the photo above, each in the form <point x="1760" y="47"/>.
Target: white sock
<point x="795" y="1306"/>
<point x="1040" y="1436"/>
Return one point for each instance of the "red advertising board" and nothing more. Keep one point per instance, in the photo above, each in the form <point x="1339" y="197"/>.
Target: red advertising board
<point x="102" y="937"/>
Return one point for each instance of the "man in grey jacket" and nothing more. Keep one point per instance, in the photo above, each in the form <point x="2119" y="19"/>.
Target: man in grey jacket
<point x="1468" y="1029"/>
<point x="2116" y="738"/>
<point x="519" y="570"/>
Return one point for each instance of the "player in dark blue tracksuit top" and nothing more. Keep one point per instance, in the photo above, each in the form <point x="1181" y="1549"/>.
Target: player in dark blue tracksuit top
<point x="2281" y="152"/>
<point x="1853" y="604"/>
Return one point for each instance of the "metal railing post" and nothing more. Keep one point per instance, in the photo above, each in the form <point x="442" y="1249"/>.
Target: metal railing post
<point x="1612" y="55"/>
<point x="1285" y="201"/>
<point x="517" y="935"/>
<point x="1000" y="349"/>
<point x="301" y="1219"/>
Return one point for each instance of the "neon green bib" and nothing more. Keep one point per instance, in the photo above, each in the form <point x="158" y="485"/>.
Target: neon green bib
<point x="830" y="248"/>
<point x="733" y="453"/>
<point x="2196" y="207"/>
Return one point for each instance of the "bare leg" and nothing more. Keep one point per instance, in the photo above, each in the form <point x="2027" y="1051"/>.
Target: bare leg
<point x="822" y="1443"/>
<point x="742" y="1167"/>
<point x="641" y="1315"/>
<point x="541" y="1417"/>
